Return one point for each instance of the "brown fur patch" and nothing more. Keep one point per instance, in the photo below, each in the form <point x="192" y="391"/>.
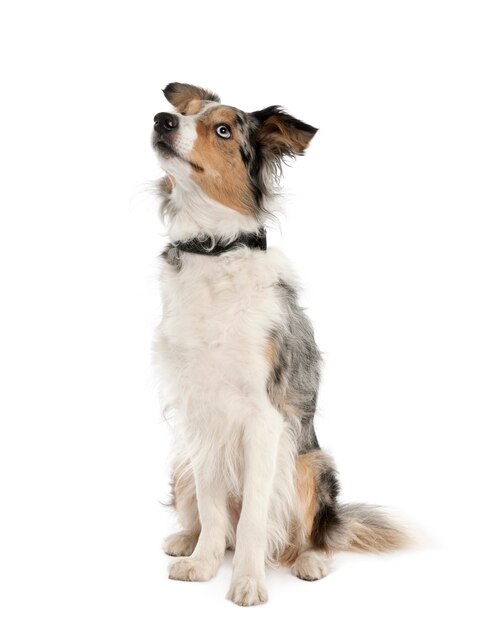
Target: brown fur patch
<point x="180" y="95"/>
<point x="307" y="488"/>
<point x="293" y="549"/>
<point x="166" y="184"/>
<point x="194" y="107"/>
<point x="367" y="528"/>
<point x="308" y="469"/>
<point x="221" y="174"/>
<point x="280" y="136"/>
<point x="271" y="352"/>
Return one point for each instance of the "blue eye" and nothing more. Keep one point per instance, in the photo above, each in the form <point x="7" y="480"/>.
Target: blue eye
<point x="223" y="131"/>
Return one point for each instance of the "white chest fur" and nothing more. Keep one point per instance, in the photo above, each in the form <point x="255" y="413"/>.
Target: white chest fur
<point x="218" y="313"/>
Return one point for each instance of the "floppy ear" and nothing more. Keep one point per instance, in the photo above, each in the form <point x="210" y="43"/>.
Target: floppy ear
<point x="181" y="94"/>
<point x="281" y="134"/>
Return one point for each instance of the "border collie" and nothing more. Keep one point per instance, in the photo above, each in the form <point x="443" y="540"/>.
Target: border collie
<point x="238" y="361"/>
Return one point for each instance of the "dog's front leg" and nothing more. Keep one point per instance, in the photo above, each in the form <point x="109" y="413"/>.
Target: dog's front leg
<point x="261" y="443"/>
<point x="204" y="562"/>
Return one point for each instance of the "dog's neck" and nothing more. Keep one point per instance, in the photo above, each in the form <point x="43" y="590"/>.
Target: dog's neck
<point x="208" y="246"/>
<point x="174" y="253"/>
<point x="191" y="214"/>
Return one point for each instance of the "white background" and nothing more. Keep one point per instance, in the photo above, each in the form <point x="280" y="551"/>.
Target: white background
<point x="381" y="226"/>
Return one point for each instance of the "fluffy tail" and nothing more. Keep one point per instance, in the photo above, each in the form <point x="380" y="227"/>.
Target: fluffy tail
<point x="335" y="527"/>
<point x="362" y="528"/>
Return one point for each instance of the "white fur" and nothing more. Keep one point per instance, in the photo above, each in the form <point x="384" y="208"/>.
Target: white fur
<point x="198" y="212"/>
<point x="311" y="565"/>
<point x="180" y="544"/>
<point x="218" y="314"/>
<point x="185" y="136"/>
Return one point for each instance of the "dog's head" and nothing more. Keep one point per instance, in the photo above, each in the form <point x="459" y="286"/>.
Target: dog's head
<point x="234" y="157"/>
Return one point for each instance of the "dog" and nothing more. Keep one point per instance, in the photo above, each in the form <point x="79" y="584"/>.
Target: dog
<point x="238" y="362"/>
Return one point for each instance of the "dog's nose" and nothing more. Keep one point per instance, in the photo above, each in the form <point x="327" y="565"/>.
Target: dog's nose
<point x="165" y="122"/>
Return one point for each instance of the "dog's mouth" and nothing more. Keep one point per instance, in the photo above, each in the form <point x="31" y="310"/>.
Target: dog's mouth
<point x="168" y="151"/>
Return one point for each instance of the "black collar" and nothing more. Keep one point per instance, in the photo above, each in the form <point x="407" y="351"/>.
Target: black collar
<point x="207" y="245"/>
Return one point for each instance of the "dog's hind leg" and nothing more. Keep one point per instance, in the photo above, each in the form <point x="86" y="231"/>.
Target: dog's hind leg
<point x="311" y="565"/>
<point x="184" y="501"/>
<point x="314" y="489"/>
<point x="323" y="526"/>
<point x="181" y="543"/>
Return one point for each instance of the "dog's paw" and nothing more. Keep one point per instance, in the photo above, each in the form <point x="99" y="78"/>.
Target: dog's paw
<point x="192" y="569"/>
<point x="180" y="544"/>
<point x="247" y="591"/>
<point x="311" y="565"/>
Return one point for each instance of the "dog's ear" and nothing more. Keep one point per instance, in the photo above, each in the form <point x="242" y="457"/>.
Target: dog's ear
<point x="281" y="134"/>
<point x="180" y="95"/>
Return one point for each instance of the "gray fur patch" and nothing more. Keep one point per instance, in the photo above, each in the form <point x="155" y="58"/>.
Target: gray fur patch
<point x="172" y="256"/>
<point x="294" y="379"/>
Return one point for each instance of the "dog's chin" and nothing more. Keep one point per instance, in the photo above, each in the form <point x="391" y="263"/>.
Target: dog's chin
<point x="164" y="150"/>
<point x="168" y="154"/>
<point x="170" y="161"/>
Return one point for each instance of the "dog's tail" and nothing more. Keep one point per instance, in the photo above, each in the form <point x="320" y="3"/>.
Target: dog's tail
<point x="360" y="528"/>
<point x="332" y="526"/>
